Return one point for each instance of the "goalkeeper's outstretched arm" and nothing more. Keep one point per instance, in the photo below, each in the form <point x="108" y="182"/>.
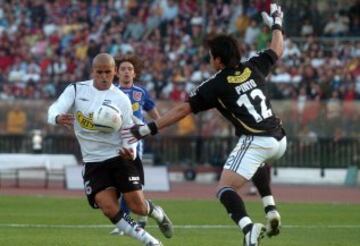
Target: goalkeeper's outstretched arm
<point x="275" y="22"/>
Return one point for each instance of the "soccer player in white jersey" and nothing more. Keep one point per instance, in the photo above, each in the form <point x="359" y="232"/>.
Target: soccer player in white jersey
<point x="108" y="161"/>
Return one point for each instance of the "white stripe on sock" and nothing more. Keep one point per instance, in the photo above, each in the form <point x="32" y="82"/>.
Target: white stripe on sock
<point x="268" y="200"/>
<point x="244" y="222"/>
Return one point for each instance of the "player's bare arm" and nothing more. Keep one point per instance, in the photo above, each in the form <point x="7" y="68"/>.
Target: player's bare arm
<point x="154" y="114"/>
<point x="174" y="115"/>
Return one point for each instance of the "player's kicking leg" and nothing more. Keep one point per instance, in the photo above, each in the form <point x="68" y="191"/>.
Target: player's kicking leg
<point x="227" y="193"/>
<point x="261" y="180"/>
<point x="141" y="220"/>
<point x="116" y="231"/>
<point x="163" y="221"/>
<point x="127" y="225"/>
<point x="140" y="206"/>
<point x="106" y="201"/>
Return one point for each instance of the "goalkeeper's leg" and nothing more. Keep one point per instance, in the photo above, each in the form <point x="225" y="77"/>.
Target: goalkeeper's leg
<point x="227" y="193"/>
<point x="261" y="180"/>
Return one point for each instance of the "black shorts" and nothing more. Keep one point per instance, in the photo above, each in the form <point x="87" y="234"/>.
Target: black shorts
<point x="123" y="175"/>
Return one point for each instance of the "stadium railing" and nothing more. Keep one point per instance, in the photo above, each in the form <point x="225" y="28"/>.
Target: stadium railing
<point x="192" y="151"/>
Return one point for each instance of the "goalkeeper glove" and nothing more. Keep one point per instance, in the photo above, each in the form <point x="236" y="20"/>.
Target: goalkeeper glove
<point x="137" y="132"/>
<point x="275" y="19"/>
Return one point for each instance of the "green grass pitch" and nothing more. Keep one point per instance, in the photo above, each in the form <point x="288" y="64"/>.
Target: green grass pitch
<point x="39" y="221"/>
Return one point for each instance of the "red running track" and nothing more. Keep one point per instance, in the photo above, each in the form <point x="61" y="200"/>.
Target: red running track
<point x="193" y="190"/>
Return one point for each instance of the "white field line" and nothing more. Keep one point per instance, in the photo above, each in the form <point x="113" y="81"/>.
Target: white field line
<point x="59" y="226"/>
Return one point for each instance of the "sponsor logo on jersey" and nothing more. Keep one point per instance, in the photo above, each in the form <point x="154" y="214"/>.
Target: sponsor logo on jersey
<point x="239" y="78"/>
<point x="135" y="106"/>
<point x="137" y="95"/>
<point x="85" y="122"/>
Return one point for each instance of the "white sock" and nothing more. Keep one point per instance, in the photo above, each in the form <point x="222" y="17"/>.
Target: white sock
<point x="156" y="213"/>
<point x="141" y="218"/>
<point x="268" y="201"/>
<point x="133" y="230"/>
<point x="244" y="222"/>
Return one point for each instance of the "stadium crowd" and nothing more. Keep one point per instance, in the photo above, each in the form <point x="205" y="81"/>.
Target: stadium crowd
<point x="45" y="45"/>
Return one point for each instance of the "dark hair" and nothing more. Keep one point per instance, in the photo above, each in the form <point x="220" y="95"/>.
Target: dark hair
<point x="226" y="48"/>
<point x="134" y="60"/>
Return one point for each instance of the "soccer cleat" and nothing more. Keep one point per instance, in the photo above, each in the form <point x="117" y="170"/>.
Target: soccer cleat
<point x="252" y="238"/>
<point x="165" y="225"/>
<point x="117" y="232"/>
<point x="273" y="223"/>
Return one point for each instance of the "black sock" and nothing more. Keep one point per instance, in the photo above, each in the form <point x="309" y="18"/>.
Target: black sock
<point x="261" y="180"/>
<point x="234" y="205"/>
<point x="121" y="215"/>
<point x="117" y="217"/>
<point x="269" y="208"/>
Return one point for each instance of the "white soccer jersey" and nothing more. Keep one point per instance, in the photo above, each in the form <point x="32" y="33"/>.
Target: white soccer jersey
<point x="82" y="99"/>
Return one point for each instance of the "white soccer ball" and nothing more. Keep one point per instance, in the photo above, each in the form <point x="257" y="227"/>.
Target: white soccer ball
<point x="108" y="118"/>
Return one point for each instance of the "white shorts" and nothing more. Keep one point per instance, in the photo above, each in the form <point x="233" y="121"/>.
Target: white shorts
<point x="251" y="152"/>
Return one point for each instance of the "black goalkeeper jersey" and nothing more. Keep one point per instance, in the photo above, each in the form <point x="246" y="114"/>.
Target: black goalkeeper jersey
<point x="240" y="95"/>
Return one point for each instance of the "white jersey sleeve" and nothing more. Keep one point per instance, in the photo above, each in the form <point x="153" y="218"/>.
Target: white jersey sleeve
<point x="62" y="105"/>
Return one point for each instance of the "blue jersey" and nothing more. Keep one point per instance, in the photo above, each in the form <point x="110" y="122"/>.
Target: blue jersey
<point x="140" y="100"/>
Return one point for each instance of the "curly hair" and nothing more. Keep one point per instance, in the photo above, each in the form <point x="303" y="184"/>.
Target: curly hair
<point x="133" y="59"/>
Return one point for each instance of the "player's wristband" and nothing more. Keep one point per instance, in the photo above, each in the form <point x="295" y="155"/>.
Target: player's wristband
<point x="153" y="128"/>
<point x="277" y="27"/>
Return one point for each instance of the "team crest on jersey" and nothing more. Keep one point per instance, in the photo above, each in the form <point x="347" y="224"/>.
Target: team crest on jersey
<point x="85" y="122"/>
<point x="137" y="95"/>
<point x="238" y="77"/>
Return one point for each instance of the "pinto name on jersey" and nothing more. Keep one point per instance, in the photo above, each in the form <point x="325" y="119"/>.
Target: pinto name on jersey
<point x="248" y="85"/>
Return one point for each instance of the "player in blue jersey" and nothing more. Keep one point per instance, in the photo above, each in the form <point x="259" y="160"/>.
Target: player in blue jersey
<point x="129" y="68"/>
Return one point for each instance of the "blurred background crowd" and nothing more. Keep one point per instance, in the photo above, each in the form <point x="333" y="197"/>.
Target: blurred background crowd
<point x="45" y="45"/>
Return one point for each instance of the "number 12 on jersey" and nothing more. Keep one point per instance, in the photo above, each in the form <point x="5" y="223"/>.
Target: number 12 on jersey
<point x="245" y="101"/>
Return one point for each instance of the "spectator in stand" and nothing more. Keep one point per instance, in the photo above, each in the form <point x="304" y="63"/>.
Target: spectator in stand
<point x="178" y="89"/>
<point x="354" y="16"/>
<point x="252" y="32"/>
<point x="307" y="29"/>
<point x="337" y="26"/>
<point x="16" y="120"/>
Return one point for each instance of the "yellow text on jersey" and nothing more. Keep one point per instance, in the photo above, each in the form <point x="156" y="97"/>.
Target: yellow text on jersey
<point x="85" y="122"/>
<point x="239" y="78"/>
